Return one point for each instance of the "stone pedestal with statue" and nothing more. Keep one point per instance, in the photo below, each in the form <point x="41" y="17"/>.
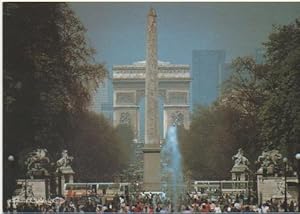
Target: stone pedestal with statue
<point x="64" y="172"/>
<point x="240" y="170"/>
<point x="35" y="183"/>
<point x="31" y="189"/>
<point x="271" y="183"/>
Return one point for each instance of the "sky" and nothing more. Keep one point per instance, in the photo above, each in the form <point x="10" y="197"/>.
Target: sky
<point x="118" y="30"/>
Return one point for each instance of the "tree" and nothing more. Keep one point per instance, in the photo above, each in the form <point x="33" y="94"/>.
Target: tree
<point x="280" y="112"/>
<point x="217" y="131"/>
<point x="49" y="74"/>
<point x="269" y="94"/>
<point x="259" y="109"/>
<point x="243" y="92"/>
<point x="125" y="135"/>
<point x="98" y="152"/>
<point x="211" y="142"/>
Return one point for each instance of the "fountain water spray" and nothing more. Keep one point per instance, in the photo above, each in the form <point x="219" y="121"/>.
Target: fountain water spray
<point x="172" y="167"/>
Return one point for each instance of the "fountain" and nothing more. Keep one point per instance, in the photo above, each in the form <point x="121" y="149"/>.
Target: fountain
<point x="172" y="169"/>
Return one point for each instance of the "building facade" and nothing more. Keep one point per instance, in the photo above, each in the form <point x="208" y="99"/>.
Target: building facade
<point x="129" y="93"/>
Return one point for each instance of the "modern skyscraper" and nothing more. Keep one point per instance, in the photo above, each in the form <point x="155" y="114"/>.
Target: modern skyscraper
<point x="207" y="75"/>
<point x="103" y="102"/>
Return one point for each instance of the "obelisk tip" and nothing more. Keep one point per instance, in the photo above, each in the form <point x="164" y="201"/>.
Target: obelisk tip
<point x="152" y="12"/>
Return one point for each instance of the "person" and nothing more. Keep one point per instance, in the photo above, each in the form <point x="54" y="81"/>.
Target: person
<point x="109" y="208"/>
<point x="235" y="207"/>
<point x="226" y="209"/>
<point x="265" y="208"/>
<point x="151" y="209"/>
<point x="187" y="209"/>
<point x="218" y="209"/>
<point x="89" y="206"/>
<point x="81" y="209"/>
<point x="99" y="209"/>
<point x="158" y="208"/>
<point x="292" y="207"/>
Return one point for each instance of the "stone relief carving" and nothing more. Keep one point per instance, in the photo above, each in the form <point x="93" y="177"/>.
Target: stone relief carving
<point x="125" y="118"/>
<point x="177" y="98"/>
<point x="162" y="93"/>
<point x="141" y="75"/>
<point x="138" y="72"/>
<point x="177" y="118"/>
<point x="26" y="191"/>
<point x="280" y="187"/>
<point x="125" y="98"/>
<point x="139" y="95"/>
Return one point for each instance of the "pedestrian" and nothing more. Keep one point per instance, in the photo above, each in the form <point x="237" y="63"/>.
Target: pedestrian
<point x="292" y="207"/>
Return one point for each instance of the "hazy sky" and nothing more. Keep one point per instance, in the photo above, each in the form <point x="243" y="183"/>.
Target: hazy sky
<point x="117" y="30"/>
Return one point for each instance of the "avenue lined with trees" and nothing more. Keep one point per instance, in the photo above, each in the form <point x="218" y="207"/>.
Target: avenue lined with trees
<point x="258" y="110"/>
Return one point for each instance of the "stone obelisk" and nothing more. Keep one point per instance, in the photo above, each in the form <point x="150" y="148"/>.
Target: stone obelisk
<point x="152" y="138"/>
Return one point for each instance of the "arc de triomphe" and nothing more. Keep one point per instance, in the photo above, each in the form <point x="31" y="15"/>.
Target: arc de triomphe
<point x="129" y="89"/>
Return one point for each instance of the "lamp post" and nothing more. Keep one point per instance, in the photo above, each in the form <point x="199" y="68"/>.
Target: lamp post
<point x="285" y="198"/>
<point x="10" y="159"/>
<point x="249" y="189"/>
<point x="25" y="187"/>
<point x="298" y="174"/>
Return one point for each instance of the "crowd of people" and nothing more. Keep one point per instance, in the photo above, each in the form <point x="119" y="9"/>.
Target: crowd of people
<point x="149" y="203"/>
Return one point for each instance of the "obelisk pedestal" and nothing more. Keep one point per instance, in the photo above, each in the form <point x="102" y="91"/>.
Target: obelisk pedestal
<point x="152" y="168"/>
<point x="152" y="138"/>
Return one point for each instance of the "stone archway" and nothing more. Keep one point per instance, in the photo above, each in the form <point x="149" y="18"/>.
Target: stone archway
<point x="129" y="89"/>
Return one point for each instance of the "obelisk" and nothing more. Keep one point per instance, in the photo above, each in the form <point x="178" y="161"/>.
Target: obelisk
<point x="152" y="138"/>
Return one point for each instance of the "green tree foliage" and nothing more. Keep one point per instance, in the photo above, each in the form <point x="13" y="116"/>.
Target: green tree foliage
<point x="98" y="152"/>
<point x="132" y="172"/>
<point x="49" y="77"/>
<point x="280" y="113"/>
<point x="126" y="136"/>
<point x="211" y="141"/>
<point x="243" y="92"/>
<point x="230" y="123"/>
<point x="49" y="74"/>
<point x="259" y="109"/>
